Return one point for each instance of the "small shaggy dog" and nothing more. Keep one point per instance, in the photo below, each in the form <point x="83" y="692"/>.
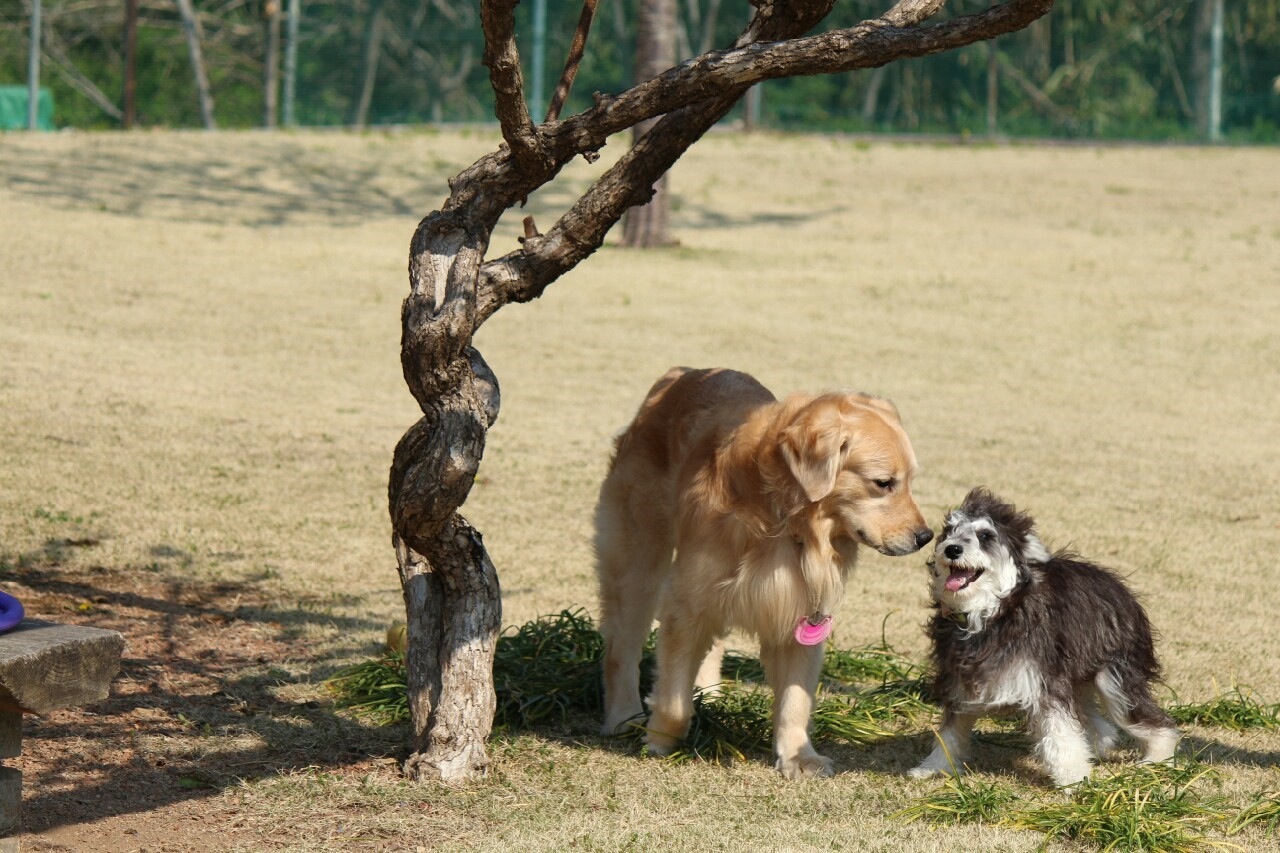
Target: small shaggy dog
<point x="1051" y="635"/>
<point x="727" y="508"/>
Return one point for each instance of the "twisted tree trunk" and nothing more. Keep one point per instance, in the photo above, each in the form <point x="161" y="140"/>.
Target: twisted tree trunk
<point x="450" y="585"/>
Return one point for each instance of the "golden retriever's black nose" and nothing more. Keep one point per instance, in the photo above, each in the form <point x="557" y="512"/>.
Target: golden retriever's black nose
<point x="953" y="552"/>
<point x="923" y="537"/>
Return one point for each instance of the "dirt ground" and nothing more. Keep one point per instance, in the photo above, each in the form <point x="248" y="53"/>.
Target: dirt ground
<point x="200" y="656"/>
<point x="200" y="392"/>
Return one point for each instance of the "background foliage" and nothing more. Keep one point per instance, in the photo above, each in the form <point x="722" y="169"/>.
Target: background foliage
<point x="1090" y="69"/>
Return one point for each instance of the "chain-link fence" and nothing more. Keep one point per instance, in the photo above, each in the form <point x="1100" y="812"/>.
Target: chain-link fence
<point x="1145" y="69"/>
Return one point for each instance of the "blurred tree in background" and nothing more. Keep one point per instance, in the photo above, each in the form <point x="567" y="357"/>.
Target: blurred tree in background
<point x="1091" y="69"/>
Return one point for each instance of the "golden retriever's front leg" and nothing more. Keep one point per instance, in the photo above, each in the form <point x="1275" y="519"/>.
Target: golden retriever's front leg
<point x="792" y="670"/>
<point x="683" y="642"/>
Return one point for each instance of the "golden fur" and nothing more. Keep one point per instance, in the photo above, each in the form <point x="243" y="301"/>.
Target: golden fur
<point x="727" y="508"/>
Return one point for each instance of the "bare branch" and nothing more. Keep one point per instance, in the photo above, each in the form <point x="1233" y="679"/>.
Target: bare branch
<point x="576" y="50"/>
<point x="867" y="45"/>
<point x="64" y="66"/>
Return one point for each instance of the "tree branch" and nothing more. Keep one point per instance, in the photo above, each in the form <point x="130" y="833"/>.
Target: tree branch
<point x="700" y="85"/>
<point x="502" y="58"/>
<point x="576" y="50"/>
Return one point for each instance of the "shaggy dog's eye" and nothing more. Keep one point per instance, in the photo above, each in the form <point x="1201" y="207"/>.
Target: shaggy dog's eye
<point x="985" y="535"/>
<point x="887" y="485"/>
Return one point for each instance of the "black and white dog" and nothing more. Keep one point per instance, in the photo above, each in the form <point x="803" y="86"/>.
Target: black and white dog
<point x="1051" y="635"/>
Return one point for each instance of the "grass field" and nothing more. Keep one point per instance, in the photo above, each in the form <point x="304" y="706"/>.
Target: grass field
<point x="200" y="382"/>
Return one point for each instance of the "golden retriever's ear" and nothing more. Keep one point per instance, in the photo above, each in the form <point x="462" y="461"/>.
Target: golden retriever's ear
<point x="815" y="447"/>
<point x="880" y="404"/>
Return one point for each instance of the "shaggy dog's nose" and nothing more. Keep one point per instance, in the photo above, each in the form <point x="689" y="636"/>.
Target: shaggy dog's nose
<point x="953" y="552"/>
<point x="923" y="537"/>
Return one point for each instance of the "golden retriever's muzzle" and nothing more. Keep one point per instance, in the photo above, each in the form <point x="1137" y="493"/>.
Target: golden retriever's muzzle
<point x="903" y="544"/>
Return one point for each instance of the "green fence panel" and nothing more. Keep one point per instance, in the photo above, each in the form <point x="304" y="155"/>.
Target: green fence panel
<point x="13" y="108"/>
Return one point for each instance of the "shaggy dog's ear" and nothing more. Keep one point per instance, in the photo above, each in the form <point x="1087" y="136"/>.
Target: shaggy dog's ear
<point x="815" y="447"/>
<point x="1033" y="550"/>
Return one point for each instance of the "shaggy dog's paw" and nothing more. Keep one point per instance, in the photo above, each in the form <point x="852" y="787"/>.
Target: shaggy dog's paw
<point x="805" y="766"/>
<point x="929" y="769"/>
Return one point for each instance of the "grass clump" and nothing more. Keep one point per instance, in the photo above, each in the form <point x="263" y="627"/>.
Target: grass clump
<point x="960" y="800"/>
<point x="1144" y="807"/>
<point x="1263" y="813"/>
<point x="727" y="726"/>
<point x="375" y="689"/>
<point x="549" y="670"/>
<point x="1236" y="710"/>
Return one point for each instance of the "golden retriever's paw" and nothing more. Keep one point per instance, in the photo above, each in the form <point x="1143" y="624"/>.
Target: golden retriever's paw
<point x="810" y="766"/>
<point x="659" y="744"/>
<point x="621" y="724"/>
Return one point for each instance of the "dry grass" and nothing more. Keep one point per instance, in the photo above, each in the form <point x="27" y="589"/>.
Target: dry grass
<point x="200" y="374"/>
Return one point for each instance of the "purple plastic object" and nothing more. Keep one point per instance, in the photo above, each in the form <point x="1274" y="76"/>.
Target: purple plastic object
<point x="11" y="612"/>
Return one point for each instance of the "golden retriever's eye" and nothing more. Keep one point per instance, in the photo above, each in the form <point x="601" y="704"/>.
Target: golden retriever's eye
<point x="886" y="485"/>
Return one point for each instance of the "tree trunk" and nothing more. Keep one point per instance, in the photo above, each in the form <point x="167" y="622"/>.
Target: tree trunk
<point x="871" y="97"/>
<point x="271" y="66"/>
<point x="372" y="51"/>
<point x="191" y="26"/>
<point x="452" y="602"/>
<point x="647" y="227"/>
<point x="993" y="91"/>
<point x="1201" y="64"/>
<point x="129" y="105"/>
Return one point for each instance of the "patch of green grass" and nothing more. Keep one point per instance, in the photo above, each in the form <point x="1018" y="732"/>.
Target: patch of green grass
<point x="728" y="726"/>
<point x="961" y="799"/>
<point x="1263" y="813"/>
<point x="1237" y="710"/>
<point x="1144" y="807"/>
<point x="866" y="665"/>
<point x="374" y="689"/>
<point x="549" y="668"/>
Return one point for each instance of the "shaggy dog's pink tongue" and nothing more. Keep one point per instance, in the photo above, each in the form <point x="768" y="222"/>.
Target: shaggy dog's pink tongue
<point x="959" y="579"/>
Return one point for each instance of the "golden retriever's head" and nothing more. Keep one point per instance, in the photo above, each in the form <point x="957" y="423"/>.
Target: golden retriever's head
<point x="850" y="456"/>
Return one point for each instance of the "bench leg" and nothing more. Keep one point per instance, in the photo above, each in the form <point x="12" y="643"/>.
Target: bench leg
<point x="10" y="778"/>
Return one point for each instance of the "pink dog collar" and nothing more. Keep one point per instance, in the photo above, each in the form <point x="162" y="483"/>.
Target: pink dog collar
<point x="810" y="633"/>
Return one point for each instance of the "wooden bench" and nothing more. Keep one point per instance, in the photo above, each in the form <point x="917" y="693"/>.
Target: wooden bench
<point x="45" y="666"/>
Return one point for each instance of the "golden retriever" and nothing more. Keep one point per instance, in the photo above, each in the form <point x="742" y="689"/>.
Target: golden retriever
<point x="727" y="508"/>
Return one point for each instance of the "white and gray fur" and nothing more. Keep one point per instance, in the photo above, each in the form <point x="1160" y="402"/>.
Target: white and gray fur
<point x="1051" y="635"/>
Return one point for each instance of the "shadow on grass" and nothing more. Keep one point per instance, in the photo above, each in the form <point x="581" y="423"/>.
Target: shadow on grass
<point x="1218" y="754"/>
<point x="265" y="181"/>
<point x="217" y="685"/>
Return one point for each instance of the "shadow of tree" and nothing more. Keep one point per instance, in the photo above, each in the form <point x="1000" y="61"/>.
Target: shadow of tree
<point x="267" y="180"/>
<point x="255" y="180"/>
<point x="220" y="684"/>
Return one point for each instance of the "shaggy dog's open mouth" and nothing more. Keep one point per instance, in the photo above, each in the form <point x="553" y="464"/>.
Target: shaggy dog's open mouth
<point x="960" y="577"/>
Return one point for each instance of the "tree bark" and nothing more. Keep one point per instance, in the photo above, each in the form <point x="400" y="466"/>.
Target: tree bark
<point x="450" y="585"/>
